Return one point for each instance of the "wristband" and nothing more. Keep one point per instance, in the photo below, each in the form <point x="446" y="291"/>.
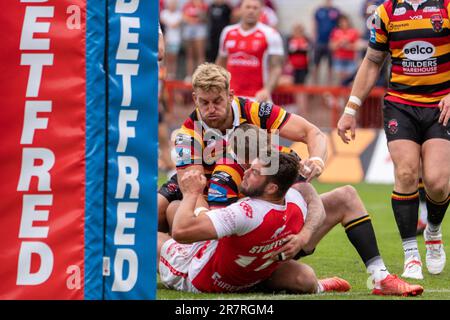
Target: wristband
<point x="350" y="111"/>
<point x="199" y="210"/>
<point x="318" y="159"/>
<point x="355" y="100"/>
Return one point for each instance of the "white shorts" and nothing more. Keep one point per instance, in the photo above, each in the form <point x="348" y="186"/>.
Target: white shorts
<point x="174" y="263"/>
<point x="195" y="31"/>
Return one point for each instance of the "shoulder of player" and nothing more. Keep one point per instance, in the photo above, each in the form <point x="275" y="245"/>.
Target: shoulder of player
<point x="229" y="28"/>
<point x="294" y="196"/>
<point x="267" y="30"/>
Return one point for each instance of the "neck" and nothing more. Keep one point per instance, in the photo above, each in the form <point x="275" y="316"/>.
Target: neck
<point x="272" y="199"/>
<point x="228" y="124"/>
<point x="246" y="26"/>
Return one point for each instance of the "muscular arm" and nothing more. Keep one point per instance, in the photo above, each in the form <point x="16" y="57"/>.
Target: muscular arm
<point x="201" y="202"/>
<point x="186" y="227"/>
<point x="275" y="71"/>
<point x="368" y="73"/>
<point x="299" y="129"/>
<point x="316" y="210"/>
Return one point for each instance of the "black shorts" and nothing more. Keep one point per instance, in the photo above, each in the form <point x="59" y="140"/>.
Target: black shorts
<point x="170" y="190"/>
<point x="418" y="124"/>
<point x="300" y="76"/>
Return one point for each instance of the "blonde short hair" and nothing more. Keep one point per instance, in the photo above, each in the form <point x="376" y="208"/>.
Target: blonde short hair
<point x="211" y="77"/>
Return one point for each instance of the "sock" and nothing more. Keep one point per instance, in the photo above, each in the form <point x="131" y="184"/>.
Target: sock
<point x="410" y="248"/>
<point x="405" y="207"/>
<point x="361" y="235"/>
<point x="422" y="203"/>
<point x="436" y="212"/>
<point x="320" y="288"/>
<point x="377" y="270"/>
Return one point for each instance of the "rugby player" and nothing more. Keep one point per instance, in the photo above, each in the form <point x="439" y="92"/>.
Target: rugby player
<point x="231" y="249"/>
<point x="202" y="136"/>
<point x="341" y="205"/>
<point x="253" y="53"/>
<point x="416" y="111"/>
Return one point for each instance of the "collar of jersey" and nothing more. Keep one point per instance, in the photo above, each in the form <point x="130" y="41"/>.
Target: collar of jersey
<point x="279" y="207"/>
<point x="248" y="32"/>
<point x="418" y="4"/>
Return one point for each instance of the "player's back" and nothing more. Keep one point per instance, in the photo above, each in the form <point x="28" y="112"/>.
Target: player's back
<point x="250" y="231"/>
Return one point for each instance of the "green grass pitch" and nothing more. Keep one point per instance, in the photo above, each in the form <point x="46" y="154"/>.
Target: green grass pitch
<point x="335" y="256"/>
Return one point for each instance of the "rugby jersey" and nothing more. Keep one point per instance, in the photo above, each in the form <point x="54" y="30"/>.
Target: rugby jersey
<point x="419" y="43"/>
<point x="227" y="177"/>
<point x="195" y="145"/>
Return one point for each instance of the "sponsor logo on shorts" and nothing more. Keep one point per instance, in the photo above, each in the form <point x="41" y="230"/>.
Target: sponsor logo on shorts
<point x="172" y="187"/>
<point x="393" y="126"/>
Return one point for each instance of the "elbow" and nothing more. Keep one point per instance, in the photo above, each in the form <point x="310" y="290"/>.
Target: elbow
<point x="180" y="236"/>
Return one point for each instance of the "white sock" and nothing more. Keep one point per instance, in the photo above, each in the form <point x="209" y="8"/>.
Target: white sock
<point x="319" y="287"/>
<point x="410" y="248"/>
<point x="377" y="269"/>
<point x="433" y="228"/>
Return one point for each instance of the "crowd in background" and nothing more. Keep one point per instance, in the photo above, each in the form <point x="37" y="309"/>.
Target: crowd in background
<point x="192" y="30"/>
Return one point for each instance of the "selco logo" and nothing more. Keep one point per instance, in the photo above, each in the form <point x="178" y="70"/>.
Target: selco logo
<point x="419" y="50"/>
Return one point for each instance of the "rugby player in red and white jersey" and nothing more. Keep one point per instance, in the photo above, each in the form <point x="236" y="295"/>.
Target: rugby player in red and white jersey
<point x="232" y="249"/>
<point x="253" y="53"/>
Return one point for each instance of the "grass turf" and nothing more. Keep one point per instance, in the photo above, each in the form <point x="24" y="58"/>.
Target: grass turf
<point x="335" y="256"/>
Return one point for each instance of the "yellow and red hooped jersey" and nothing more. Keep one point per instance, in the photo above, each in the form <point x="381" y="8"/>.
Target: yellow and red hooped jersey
<point x="194" y="145"/>
<point x="418" y="39"/>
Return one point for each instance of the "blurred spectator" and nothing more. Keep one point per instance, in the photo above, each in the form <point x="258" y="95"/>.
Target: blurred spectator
<point x="298" y="47"/>
<point x="164" y="160"/>
<point x="253" y="53"/>
<point x="325" y="20"/>
<point x="171" y="18"/>
<point x="161" y="46"/>
<point x="368" y="9"/>
<point x="269" y="17"/>
<point x="344" y="45"/>
<point x="194" y="33"/>
<point x="219" y="16"/>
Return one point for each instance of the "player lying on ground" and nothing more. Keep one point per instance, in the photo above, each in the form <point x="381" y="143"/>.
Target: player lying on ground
<point x="342" y="206"/>
<point x="231" y="249"/>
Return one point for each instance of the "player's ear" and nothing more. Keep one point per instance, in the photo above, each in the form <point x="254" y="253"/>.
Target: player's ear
<point x="194" y="97"/>
<point x="271" y="188"/>
<point x="231" y="94"/>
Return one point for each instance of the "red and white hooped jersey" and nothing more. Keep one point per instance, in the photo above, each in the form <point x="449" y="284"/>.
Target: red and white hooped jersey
<point x="249" y="232"/>
<point x="247" y="55"/>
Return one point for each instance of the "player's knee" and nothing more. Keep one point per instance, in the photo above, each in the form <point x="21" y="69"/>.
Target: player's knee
<point x="306" y="281"/>
<point x="345" y="196"/>
<point x="407" y="176"/>
<point x="438" y="188"/>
